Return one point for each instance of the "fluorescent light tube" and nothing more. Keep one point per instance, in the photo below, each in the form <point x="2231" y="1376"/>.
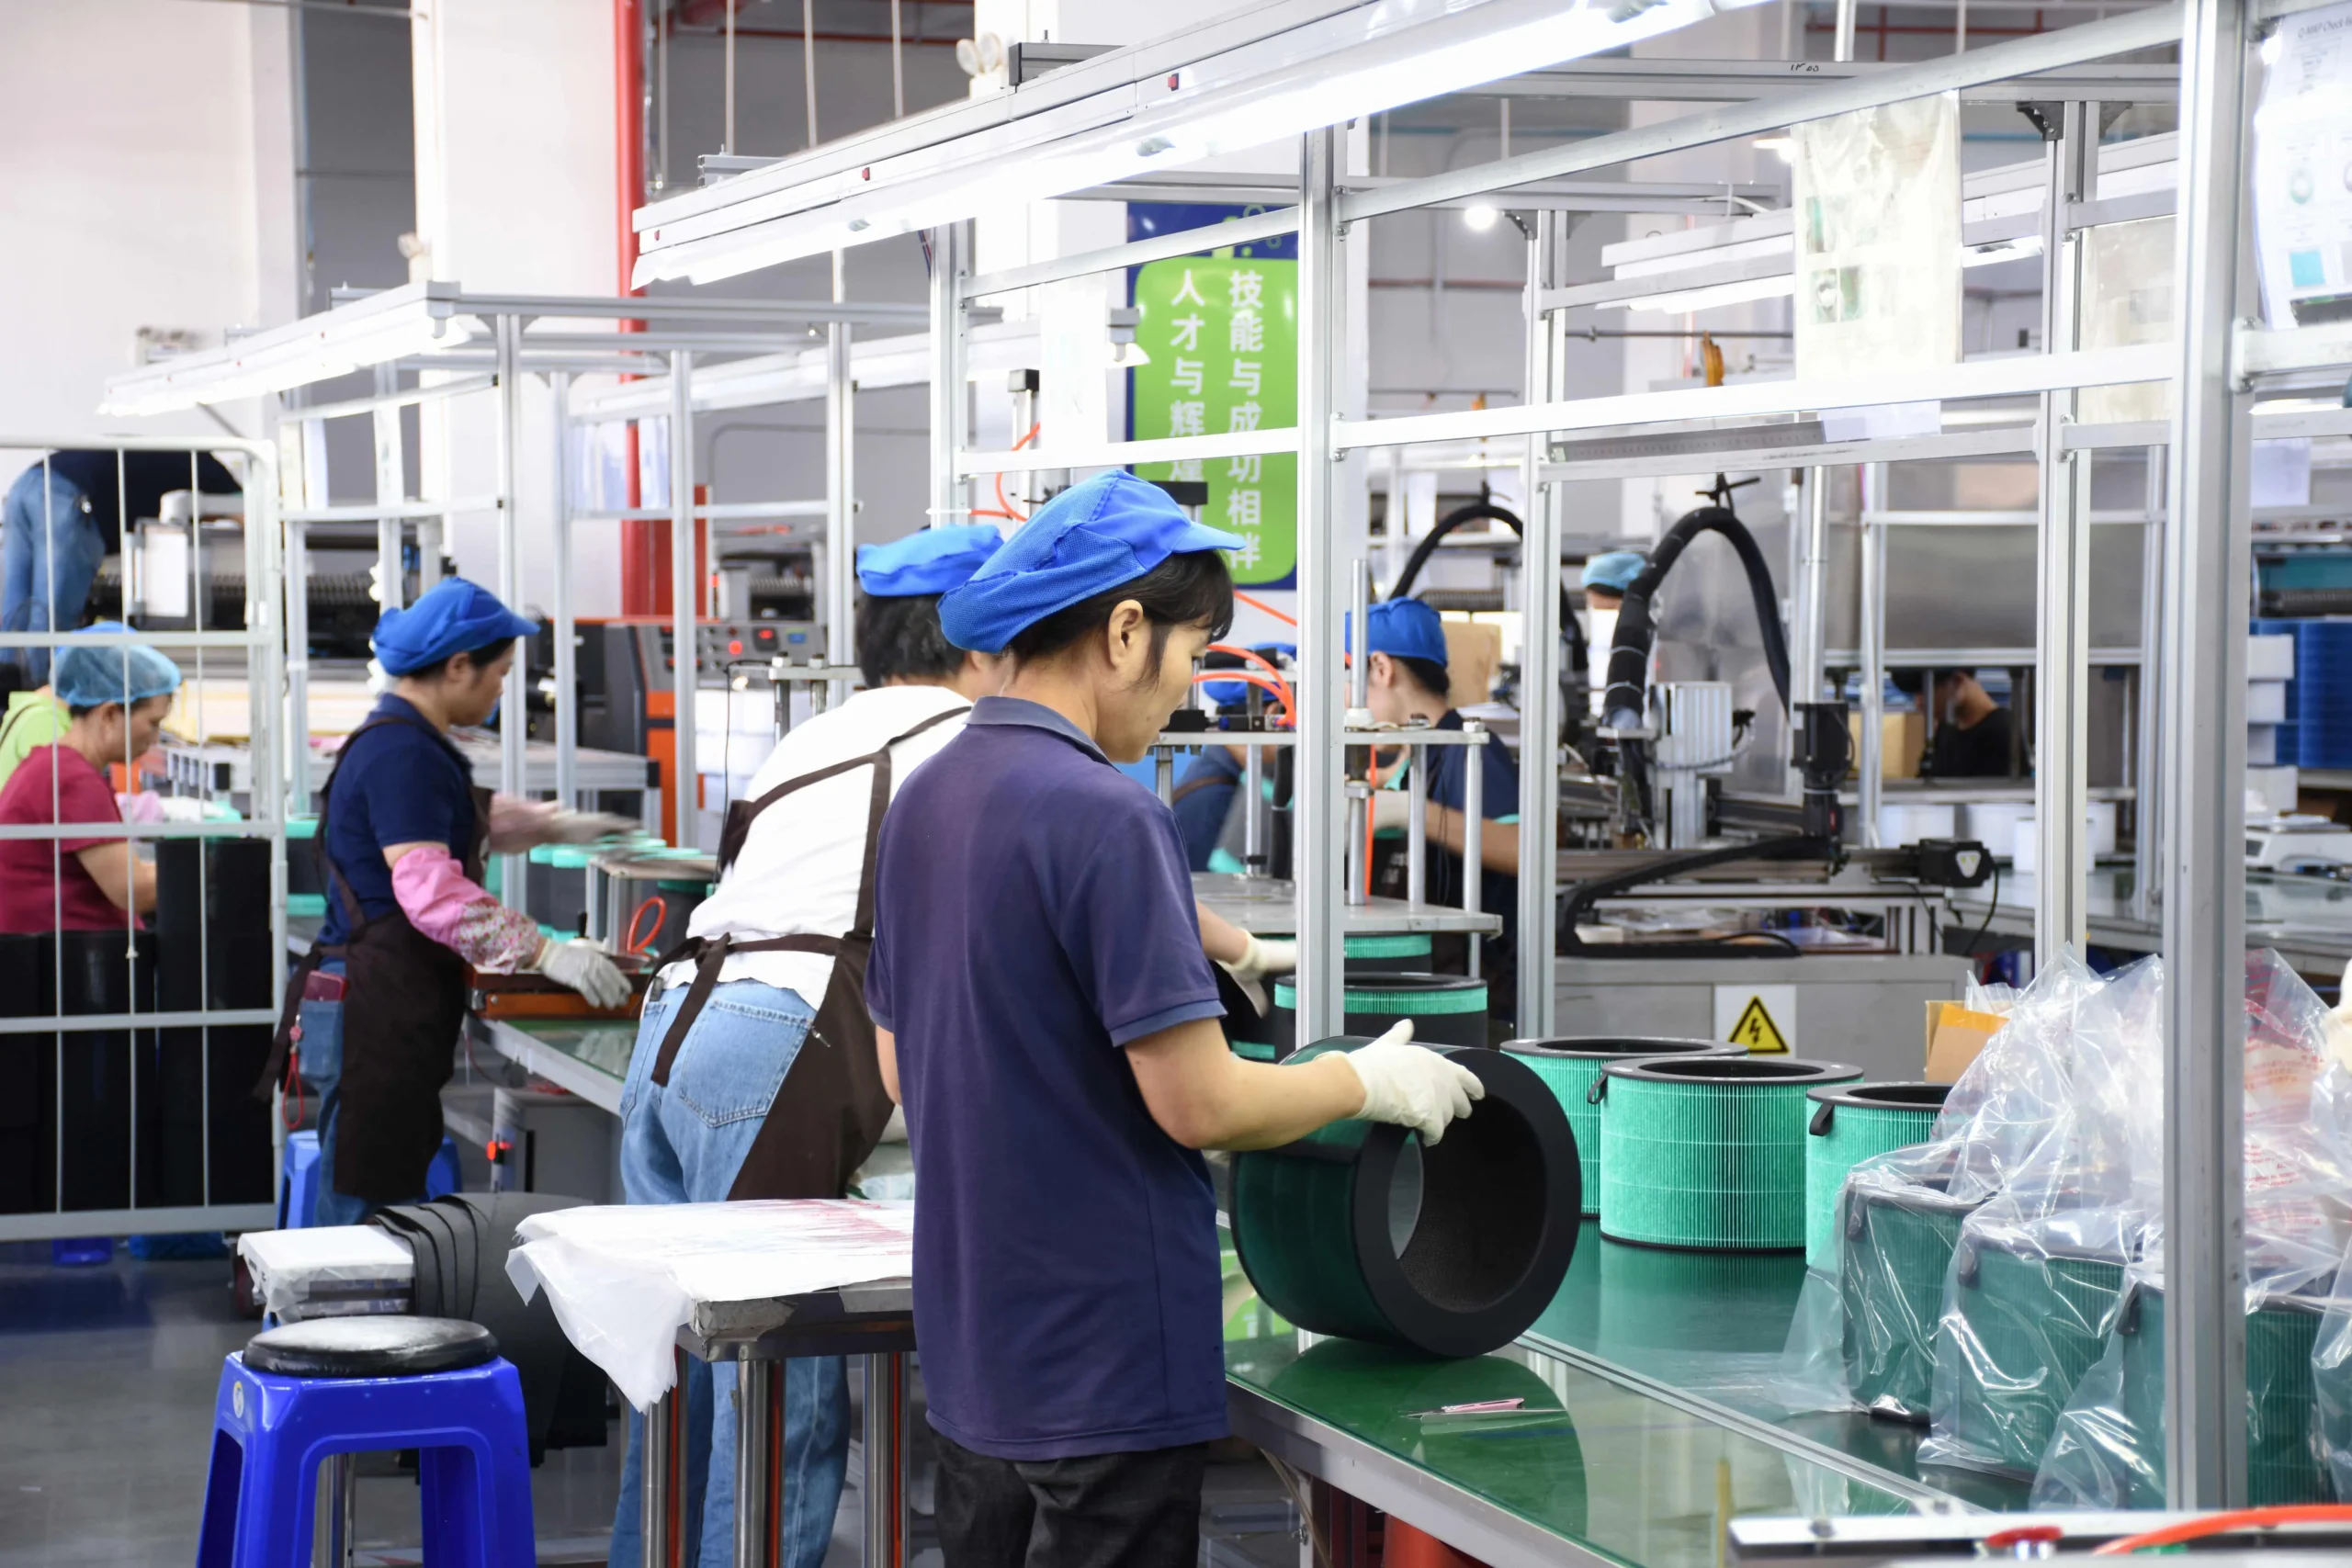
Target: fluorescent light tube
<point x="395" y="324"/>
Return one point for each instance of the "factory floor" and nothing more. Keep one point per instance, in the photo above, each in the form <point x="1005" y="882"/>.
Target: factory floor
<point x="107" y="1374"/>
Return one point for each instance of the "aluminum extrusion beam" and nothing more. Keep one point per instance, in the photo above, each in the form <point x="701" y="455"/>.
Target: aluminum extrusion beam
<point x="567" y="655"/>
<point x="951" y="397"/>
<point x="514" y="714"/>
<point x="1539" y="692"/>
<point x="1737" y="81"/>
<point x="683" y="587"/>
<point x="2208" y="564"/>
<point x="841" y="509"/>
<point x="1319" y="804"/>
<point x="1112" y="258"/>
<point x="2016" y="57"/>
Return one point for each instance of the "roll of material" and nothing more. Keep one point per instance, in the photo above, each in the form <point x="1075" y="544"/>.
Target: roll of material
<point x="1890" y="1271"/>
<point x="1707" y="1151"/>
<point x="1359" y="1229"/>
<point x="2029" y="1325"/>
<point x="1572" y="1065"/>
<point x="2282" y="1443"/>
<point x="1850" y="1124"/>
<point x="1445" y="1009"/>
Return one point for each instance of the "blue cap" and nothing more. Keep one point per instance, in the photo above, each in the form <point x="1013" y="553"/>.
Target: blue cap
<point x="1613" y="572"/>
<point x="929" y="561"/>
<point x="92" y="677"/>
<point x="453" y="616"/>
<point x="1403" y="628"/>
<point x="1091" y="538"/>
<point x="1234" y="693"/>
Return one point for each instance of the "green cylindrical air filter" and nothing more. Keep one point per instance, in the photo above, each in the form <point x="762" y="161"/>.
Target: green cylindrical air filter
<point x="1452" y="1248"/>
<point x="1251" y="1051"/>
<point x="1446" y="1009"/>
<point x="2282" y="1445"/>
<point x="1891" y="1284"/>
<point x="1572" y="1066"/>
<point x="1851" y="1124"/>
<point x="2035" y="1323"/>
<point x="1707" y="1151"/>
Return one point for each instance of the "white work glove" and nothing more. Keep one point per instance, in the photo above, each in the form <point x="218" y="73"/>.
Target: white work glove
<point x="581" y="964"/>
<point x="1391" y="810"/>
<point x="564" y="826"/>
<point x="1262" y="958"/>
<point x="1411" y="1085"/>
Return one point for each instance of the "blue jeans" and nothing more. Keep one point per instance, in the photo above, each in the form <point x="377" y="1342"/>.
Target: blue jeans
<point x="321" y="1051"/>
<point x="683" y="1143"/>
<point x="50" y="551"/>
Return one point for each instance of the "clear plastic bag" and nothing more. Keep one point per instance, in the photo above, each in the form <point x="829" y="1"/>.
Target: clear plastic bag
<point x="2107" y="1448"/>
<point x="330" y="1271"/>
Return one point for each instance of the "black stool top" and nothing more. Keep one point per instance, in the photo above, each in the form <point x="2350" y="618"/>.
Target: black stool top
<point x="388" y="1347"/>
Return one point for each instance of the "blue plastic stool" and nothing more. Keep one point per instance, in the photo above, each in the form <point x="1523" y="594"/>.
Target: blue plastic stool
<point x="299" y="1396"/>
<point x="298" y="1194"/>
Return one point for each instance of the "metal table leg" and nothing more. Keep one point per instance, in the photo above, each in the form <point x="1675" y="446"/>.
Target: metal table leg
<point x="759" y="1463"/>
<point x="886" y="1460"/>
<point x="661" y="1512"/>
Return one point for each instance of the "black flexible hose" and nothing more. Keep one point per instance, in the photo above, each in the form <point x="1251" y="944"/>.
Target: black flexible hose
<point x="1583" y="897"/>
<point x="1629" y="659"/>
<point x="1579" y="652"/>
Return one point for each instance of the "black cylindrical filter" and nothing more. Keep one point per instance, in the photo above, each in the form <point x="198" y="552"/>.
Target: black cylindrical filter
<point x="1452" y="1249"/>
<point x="1445" y="1009"/>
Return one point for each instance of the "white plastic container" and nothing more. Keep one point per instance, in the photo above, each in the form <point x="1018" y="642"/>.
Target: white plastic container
<point x="1994" y="824"/>
<point x="1908" y="823"/>
<point x="2261" y="745"/>
<point x="2099" y="830"/>
<point x="2270" y="657"/>
<point x="2265" y="702"/>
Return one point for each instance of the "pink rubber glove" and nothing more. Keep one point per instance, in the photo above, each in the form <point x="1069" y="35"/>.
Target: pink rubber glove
<point x="441" y="901"/>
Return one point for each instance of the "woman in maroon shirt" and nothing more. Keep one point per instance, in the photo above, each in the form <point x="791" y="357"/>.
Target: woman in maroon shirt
<point x="117" y="698"/>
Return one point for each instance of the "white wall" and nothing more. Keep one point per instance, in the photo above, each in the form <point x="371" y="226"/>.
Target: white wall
<point x="148" y="166"/>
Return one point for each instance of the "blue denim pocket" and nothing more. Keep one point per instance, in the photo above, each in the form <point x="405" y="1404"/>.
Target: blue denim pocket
<point x="321" y="1045"/>
<point x="733" y="1059"/>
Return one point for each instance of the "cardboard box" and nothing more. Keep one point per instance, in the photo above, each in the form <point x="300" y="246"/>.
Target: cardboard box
<point x="1472" y="649"/>
<point x="1955" y="1037"/>
<point x="1902" y="738"/>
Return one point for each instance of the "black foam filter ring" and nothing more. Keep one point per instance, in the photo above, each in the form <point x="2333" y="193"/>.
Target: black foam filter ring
<point x="1445" y="1009"/>
<point x="1452" y="1249"/>
<point x="1572" y="1063"/>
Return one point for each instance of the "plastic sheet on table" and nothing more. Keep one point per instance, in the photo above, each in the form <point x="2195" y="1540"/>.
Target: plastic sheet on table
<point x="625" y="1280"/>
<point x="329" y="1270"/>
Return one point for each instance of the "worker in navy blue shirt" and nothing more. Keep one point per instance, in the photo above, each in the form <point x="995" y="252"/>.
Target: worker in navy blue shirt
<point x="375" y="1006"/>
<point x="1046" y="1015"/>
<point x="1408" y="686"/>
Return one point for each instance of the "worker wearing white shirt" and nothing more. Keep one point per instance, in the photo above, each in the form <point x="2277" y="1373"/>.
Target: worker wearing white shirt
<point x="722" y="1100"/>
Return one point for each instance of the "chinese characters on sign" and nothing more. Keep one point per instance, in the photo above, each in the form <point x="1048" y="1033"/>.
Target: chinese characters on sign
<point x="1222" y="335"/>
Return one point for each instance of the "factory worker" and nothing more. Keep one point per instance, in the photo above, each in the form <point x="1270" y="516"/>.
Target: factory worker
<point x="378" y="1003"/>
<point x="1407" y="684"/>
<point x="1044" y="1012"/>
<point x="1206" y="798"/>
<point x="1974" y="737"/>
<point x="1606" y="577"/>
<point x="115" y="701"/>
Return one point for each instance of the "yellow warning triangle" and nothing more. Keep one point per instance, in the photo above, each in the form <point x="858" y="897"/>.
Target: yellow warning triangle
<point x="1756" y="1030"/>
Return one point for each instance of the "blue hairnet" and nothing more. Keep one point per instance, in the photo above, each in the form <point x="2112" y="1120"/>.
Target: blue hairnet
<point x="92" y="677"/>
<point x="929" y="561"/>
<point x="1404" y="628"/>
<point x="1613" y="572"/>
<point x="1091" y="538"/>
<point x="453" y="616"/>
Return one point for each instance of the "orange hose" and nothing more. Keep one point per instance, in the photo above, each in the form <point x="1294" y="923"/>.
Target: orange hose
<point x="1253" y="678"/>
<point x="1000" y="500"/>
<point x="2221" y="1524"/>
<point x="1262" y="605"/>
<point x="1268" y="665"/>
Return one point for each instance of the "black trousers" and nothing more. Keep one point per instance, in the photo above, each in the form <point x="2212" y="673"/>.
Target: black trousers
<point x="1131" y="1510"/>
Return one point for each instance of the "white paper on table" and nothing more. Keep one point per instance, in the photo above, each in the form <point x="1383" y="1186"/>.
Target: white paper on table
<point x="1882" y="423"/>
<point x="623" y="1280"/>
<point x="2282" y="472"/>
<point x="1878" y="238"/>
<point x="2302" y="165"/>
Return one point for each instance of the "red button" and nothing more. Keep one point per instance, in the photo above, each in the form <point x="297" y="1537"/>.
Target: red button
<point x="735" y="645"/>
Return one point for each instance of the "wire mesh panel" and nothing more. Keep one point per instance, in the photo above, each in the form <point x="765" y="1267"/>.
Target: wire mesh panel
<point x="142" y="937"/>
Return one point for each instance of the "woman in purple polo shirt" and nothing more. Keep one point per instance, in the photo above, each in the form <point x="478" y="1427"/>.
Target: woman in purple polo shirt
<point x="1046" y="1017"/>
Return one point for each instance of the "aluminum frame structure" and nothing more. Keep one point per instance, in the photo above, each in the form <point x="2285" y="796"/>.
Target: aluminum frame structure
<point x="2216" y="364"/>
<point x="260" y="644"/>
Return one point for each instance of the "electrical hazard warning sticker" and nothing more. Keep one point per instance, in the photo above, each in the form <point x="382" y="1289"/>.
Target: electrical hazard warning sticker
<point x="1761" y="1017"/>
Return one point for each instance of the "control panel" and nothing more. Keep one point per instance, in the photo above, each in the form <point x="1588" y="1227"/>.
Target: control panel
<point x="721" y="643"/>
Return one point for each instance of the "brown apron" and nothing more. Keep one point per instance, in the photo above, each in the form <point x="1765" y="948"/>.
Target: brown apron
<point x="831" y="1110"/>
<point x="403" y="1008"/>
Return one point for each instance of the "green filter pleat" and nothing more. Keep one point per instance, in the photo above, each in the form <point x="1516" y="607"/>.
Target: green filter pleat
<point x="1702" y="1164"/>
<point x="1250" y="1050"/>
<point x="2283" y="1454"/>
<point x="1856" y="1133"/>
<point x="1400" y="945"/>
<point x="2036" y="1325"/>
<point x="1571" y="1078"/>
<point x="1891" y="1276"/>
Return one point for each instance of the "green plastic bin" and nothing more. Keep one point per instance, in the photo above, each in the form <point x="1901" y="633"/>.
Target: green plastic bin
<point x="1708" y="1152"/>
<point x="1572" y="1065"/>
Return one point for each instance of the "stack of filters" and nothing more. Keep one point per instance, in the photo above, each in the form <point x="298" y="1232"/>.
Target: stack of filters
<point x="1444" y="1010"/>
<point x="1708" y="1152"/>
<point x="1572" y="1066"/>
<point x="2315" y="724"/>
<point x="1389" y="952"/>
<point x="1891" y="1273"/>
<point x="1852" y="1124"/>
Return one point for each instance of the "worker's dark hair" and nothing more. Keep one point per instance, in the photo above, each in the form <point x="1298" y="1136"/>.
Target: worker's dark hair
<point x="1911" y="683"/>
<point x="84" y="710"/>
<point x="1189" y="589"/>
<point x="898" y="638"/>
<point x="480" y="656"/>
<point x="1426" y="674"/>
